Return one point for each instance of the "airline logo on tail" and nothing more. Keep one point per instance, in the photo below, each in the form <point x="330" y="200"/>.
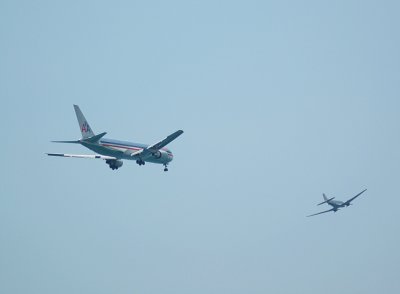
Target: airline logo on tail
<point x="85" y="128"/>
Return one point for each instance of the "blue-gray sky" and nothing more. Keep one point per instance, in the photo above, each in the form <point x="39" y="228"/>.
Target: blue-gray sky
<point x="280" y="101"/>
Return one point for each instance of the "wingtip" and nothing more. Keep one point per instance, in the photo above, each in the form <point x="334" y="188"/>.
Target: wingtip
<point x="54" y="154"/>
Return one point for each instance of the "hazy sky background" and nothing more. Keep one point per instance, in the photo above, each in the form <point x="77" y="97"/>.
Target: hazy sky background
<point x="280" y="101"/>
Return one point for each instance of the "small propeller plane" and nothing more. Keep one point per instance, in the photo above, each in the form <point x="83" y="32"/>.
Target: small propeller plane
<point x="336" y="204"/>
<point x="113" y="151"/>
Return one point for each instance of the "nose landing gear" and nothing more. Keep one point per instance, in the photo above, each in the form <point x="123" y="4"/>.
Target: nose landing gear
<point x="142" y="162"/>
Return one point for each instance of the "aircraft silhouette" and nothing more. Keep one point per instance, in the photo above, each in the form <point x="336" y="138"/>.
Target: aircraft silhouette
<point x="336" y="204"/>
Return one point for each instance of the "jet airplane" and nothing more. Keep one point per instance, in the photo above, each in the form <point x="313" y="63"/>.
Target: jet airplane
<point x="114" y="151"/>
<point x="336" y="204"/>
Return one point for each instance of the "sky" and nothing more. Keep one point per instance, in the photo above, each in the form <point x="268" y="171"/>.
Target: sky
<point x="280" y="102"/>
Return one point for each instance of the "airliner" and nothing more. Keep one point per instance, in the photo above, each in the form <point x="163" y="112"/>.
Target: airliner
<point x="336" y="204"/>
<point x="114" y="151"/>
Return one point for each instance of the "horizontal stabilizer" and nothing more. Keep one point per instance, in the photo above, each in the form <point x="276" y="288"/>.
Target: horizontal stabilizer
<point x="95" y="138"/>
<point x="93" y="156"/>
<point x="72" y="142"/>
<point x="326" y="201"/>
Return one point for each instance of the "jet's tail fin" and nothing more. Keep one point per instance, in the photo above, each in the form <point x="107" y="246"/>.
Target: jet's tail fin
<point x="83" y="124"/>
<point x="325" y="198"/>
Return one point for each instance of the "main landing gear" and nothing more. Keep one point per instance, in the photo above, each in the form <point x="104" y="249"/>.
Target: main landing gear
<point x="165" y="168"/>
<point x="140" y="162"/>
<point x="114" y="163"/>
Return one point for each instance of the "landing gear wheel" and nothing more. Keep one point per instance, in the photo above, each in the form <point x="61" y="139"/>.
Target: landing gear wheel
<point x="165" y="168"/>
<point x="140" y="162"/>
<point x="114" y="163"/>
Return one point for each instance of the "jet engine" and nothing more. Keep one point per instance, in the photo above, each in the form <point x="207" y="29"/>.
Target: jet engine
<point x="162" y="156"/>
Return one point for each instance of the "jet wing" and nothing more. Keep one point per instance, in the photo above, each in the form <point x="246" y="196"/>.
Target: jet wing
<point x="157" y="146"/>
<point x="321" y="212"/>
<point x="165" y="142"/>
<point x="94" y="156"/>
<point x="348" y="201"/>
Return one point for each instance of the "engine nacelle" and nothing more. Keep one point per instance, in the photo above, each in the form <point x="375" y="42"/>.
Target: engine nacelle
<point x="118" y="163"/>
<point x="162" y="156"/>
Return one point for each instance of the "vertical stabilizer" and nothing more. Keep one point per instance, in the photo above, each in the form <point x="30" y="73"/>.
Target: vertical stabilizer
<point x="325" y="198"/>
<point x="86" y="130"/>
